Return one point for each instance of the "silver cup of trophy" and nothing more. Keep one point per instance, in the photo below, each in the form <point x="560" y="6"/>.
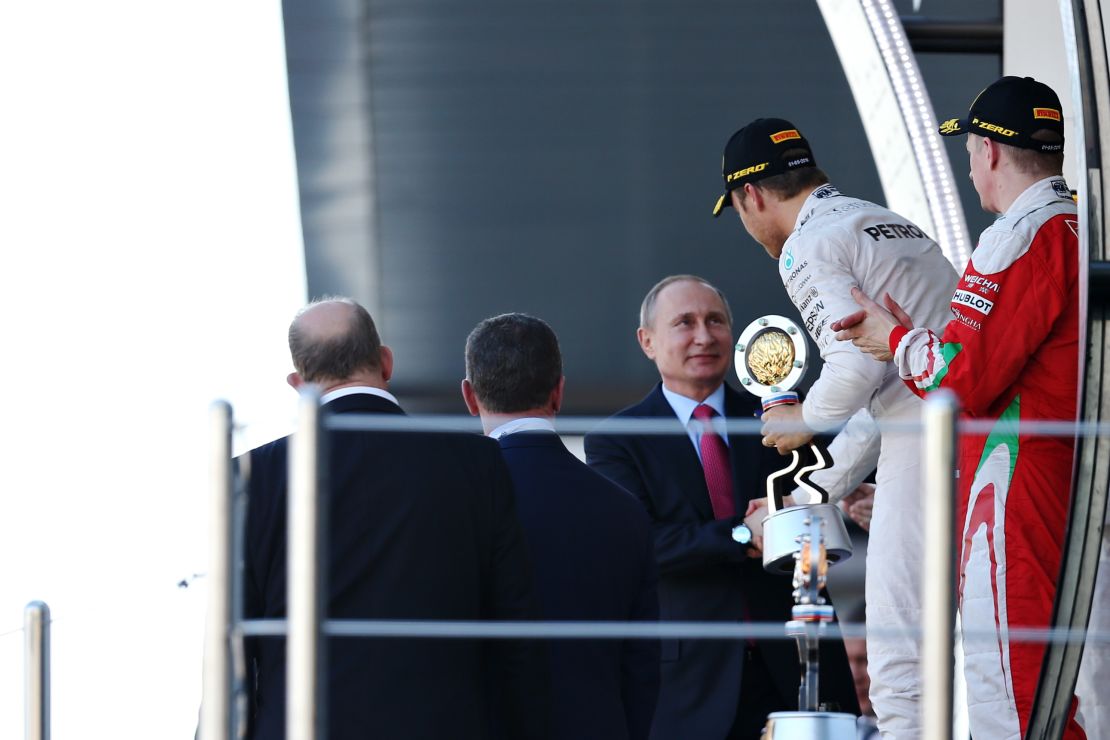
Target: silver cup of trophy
<point x="771" y="360"/>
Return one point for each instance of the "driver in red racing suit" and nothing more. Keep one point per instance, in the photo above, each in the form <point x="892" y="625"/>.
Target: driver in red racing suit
<point x="1011" y="356"/>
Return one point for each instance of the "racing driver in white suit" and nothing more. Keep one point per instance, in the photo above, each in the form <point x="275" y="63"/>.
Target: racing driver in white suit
<point x="826" y="243"/>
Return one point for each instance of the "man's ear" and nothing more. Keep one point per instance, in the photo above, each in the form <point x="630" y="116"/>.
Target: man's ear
<point x="385" y="361"/>
<point x="755" y="195"/>
<point x="470" y="398"/>
<point x="734" y="199"/>
<point x="992" y="152"/>
<point x="294" y="380"/>
<point x="556" y="401"/>
<point x="643" y="336"/>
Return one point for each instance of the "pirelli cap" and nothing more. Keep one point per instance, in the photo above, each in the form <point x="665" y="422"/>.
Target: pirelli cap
<point x="760" y="150"/>
<point x="1009" y="111"/>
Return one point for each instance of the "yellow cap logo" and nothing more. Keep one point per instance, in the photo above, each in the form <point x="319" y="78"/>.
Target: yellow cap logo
<point x="787" y="135"/>
<point x="995" y="128"/>
<point x="1050" y="113"/>
<point x="951" y="126"/>
<point x="747" y="171"/>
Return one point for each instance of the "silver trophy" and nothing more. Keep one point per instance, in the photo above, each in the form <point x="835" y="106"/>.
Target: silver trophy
<point x="803" y="539"/>
<point x="771" y="357"/>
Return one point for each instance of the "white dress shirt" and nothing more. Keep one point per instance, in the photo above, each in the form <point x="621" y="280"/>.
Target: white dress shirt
<point x="523" y="424"/>
<point x="353" y="389"/>
<point x="684" y="410"/>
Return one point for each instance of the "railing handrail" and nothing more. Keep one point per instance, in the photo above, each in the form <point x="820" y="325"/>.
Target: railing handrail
<point x="36" y="667"/>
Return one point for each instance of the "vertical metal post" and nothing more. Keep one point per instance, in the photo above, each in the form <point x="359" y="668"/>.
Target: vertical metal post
<point x="215" y="708"/>
<point x="36" y="676"/>
<point x="306" y="656"/>
<point x="938" y="582"/>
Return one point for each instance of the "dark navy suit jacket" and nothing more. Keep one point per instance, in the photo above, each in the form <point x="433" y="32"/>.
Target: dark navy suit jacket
<point x="590" y="542"/>
<point x="704" y="575"/>
<point x="422" y="526"/>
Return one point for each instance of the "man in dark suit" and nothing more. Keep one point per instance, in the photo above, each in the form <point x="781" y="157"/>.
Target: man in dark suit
<point x="589" y="539"/>
<point x="695" y="486"/>
<point x="422" y="526"/>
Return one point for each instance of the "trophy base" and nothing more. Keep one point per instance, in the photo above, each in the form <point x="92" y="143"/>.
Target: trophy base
<point x="782" y="530"/>
<point x="810" y="726"/>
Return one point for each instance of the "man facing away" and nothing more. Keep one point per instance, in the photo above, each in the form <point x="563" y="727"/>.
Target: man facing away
<point x="1011" y="357"/>
<point x="825" y="243"/>
<point x="422" y="526"/>
<point x="589" y="539"/>
<point x="695" y="484"/>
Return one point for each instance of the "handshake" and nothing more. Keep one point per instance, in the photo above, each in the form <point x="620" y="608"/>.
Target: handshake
<point x="857" y="505"/>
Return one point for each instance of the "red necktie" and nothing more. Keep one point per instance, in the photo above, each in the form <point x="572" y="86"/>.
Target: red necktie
<point x="715" y="464"/>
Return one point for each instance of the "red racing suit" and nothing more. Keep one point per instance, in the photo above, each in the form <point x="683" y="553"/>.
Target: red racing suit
<point x="1011" y="355"/>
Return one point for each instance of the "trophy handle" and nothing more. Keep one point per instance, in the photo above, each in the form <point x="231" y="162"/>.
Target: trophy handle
<point x="815" y="456"/>
<point x="780" y="483"/>
<point x="804" y="461"/>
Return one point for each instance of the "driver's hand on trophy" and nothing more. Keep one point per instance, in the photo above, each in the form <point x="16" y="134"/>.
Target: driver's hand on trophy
<point x="870" y="327"/>
<point x="785" y="429"/>
<point x="859" y="504"/>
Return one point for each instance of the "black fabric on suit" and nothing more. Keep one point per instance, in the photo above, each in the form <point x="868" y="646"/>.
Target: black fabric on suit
<point x="422" y="526"/>
<point x="705" y="575"/>
<point x="591" y="546"/>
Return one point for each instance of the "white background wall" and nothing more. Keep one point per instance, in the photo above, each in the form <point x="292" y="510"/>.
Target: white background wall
<point x="150" y="259"/>
<point x="1033" y="46"/>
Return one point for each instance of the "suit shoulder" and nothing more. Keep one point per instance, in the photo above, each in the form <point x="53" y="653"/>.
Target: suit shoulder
<point x="477" y="443"/>
<point x="743" y="403"/>
<point x="264" y="456"/>
<point x="640" y="408"/>
<point x="470" y="442"/>
<point x="1010" y="237"/>
<point x="275" y="446"/>
<point x="595" y="491"/>
<point x="627" y="503"/>
<point x="475" y="452"/>
<point x="645" y="408"/>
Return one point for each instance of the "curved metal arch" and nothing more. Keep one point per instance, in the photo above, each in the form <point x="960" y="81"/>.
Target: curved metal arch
<point x="898" y="119"/>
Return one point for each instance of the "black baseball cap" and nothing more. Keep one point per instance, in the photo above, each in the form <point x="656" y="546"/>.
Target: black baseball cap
<point x="1009" y="111"/>
<point x="757" y="151"/>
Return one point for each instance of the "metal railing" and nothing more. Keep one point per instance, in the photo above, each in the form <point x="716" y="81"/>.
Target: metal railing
<point x="36" y="671"/>
<point x="306" y="626"/>
<point x="216" y="719"/>
<point x="938" y="491"/>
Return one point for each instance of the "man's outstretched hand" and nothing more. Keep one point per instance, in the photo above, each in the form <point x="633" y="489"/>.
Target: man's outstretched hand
<point x="859" y="504"/>
<point x="870" y="327"/>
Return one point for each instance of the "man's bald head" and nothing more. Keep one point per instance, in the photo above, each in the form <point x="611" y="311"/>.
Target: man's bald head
<point x="333" y="340"/>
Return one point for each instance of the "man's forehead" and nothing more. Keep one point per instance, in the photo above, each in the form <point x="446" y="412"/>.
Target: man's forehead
<point x="690" y="297"/>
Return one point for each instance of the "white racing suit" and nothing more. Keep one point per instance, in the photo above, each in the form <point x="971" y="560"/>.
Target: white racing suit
<point x="838" y="243"/>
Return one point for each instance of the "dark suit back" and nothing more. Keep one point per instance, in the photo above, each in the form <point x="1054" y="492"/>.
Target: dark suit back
<point x="422" y="526"/>
<point x="591" y="545"/>
<point x="704" y="574"/>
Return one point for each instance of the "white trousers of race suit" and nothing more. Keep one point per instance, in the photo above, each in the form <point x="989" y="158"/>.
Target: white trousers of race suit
<point x="895" y="555"/>
<point x="895" y="560"/>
